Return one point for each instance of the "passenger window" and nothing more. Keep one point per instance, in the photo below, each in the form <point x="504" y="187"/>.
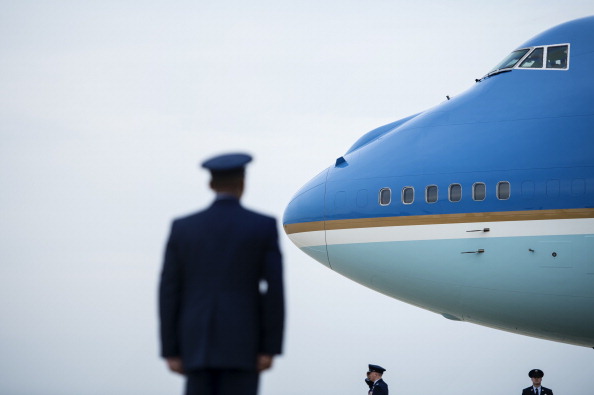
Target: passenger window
<point x="479" y="191"/>
<point x="408" y="195"/>
<point x="534" y="60"/>
<point x="455" y="192"/>
<point x="431" y="194"/>
<point x="503" y="190"/>
<point x="557" y="57"/>
<point x="385" y="196"/>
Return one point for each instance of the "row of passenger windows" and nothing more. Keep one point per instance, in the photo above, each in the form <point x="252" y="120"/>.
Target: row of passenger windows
<point x="479" y="193"/>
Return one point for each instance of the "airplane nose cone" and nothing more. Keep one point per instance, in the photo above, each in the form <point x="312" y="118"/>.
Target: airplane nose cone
<point x="308" y="203"/>
<point x="304" y="218"/>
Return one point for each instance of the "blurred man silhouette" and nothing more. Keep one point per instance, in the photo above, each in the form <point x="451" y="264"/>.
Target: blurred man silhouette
<point x="221" y="298"/>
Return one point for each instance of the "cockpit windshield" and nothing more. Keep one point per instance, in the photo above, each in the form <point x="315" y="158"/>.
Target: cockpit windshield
<point x="545" y="57"/>
<point x="511" y="60"/>
<point x="557" y="57"/>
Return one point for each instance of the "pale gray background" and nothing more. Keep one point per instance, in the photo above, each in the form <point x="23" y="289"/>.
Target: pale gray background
<point x="106" y="109"/>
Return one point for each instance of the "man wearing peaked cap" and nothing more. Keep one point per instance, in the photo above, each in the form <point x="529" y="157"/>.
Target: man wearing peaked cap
<point x="218" y="327"/>
<point x="536" y="388"/>
<point x="374" y="376"/>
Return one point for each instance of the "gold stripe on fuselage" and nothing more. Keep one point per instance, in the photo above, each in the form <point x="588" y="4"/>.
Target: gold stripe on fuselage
<point x="498" y="216"/>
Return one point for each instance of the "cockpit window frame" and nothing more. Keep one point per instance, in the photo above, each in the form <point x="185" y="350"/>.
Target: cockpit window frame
<point x="520" y="65"/>
<point x="545" y="56"/>
<point x="520" y="59"/>
<point x="528" y="53"/>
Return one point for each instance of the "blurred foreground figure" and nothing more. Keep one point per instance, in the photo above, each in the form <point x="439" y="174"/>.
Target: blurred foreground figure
<point x="377" y="385"/>
<point x="221" y="299"/>
<point x="536" y="388"/>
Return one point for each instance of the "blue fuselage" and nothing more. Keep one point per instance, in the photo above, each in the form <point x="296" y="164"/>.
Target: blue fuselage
<point x="481" y="208"/>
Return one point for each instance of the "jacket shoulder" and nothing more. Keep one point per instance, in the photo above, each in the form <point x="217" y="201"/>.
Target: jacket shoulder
<point x="257" y="216"/>
<point x="263" y="217"/>
<point x="382" y="383"/>
<point x="380" y="387"/>
<point x="188" y="218"/>
<point x="237" y="211"/>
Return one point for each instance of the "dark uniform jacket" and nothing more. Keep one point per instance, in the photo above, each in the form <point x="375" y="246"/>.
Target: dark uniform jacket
<point x="213" y="313"/>
<point x="543" y="391"/>
<point x="379" y="388"/>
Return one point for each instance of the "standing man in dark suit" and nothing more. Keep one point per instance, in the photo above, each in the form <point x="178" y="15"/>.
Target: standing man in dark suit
<point x="536" y="388"/>
<point x="221" y="298"/>
<point x="374" y="375"/>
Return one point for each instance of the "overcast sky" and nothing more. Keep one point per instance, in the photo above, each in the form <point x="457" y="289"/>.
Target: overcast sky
<point x="106" y="109"/>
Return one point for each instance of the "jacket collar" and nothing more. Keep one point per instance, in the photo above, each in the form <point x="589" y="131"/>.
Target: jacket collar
<point x="225" y="200"/>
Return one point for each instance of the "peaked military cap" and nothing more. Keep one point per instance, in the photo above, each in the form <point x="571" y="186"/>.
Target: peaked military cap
<point x="227" y="165"/>
<point x="376" y="368"/>
<point x="227" y="162"/>
<point x="535" y="373"/>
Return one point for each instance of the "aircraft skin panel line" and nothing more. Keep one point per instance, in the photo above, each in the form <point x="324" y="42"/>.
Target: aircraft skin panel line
<point x="463" y="208"/>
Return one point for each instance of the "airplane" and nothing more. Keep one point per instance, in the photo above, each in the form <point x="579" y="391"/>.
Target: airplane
<point x="481" y="208"/>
